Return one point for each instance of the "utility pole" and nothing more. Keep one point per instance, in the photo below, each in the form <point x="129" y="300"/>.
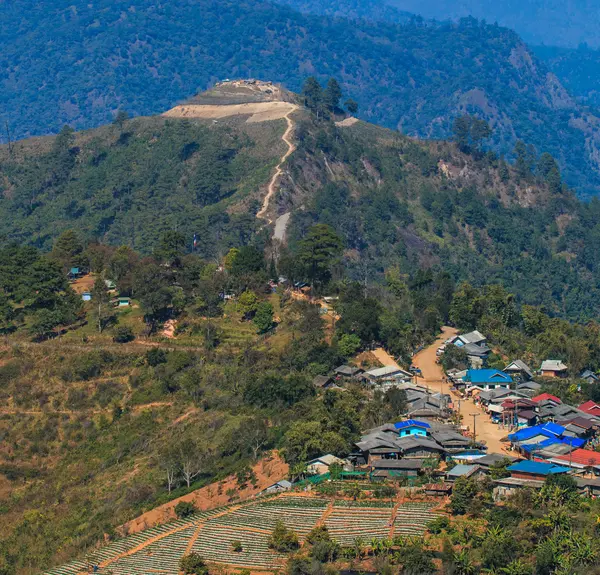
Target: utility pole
<point x="475" y="416"/>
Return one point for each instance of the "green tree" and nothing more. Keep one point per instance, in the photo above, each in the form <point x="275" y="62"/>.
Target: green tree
<point x="263" y="319"/>
<point x="120" y="118"/>
<point x="349" y="344"/>
<point x="332" y="95"/>
<point x="171" y="248"/>
<point x="102" y="306"/>
<point x="312" y="94"/>
<point x="351" y="106"/>
<point x="247" y="304"/>
<point x="193" y="564"/>
<point x="184" y="509"/>
<point x="68" y="250"/>
<point x="283" y="539"/>
<point x="318" y="251"/>
<point x="463" y="492"/>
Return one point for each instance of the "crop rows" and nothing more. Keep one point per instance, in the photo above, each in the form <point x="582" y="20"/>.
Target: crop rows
<point x="162" y="555"/>
<point x="347" y="524"/>
<point x="301" y="520"/>
<point x="364" y="503"/>
<point x="68" y="569"/>
<point x="412" y="518"/>
<point x="214" y="544"/>
<point x="292" y="501"/>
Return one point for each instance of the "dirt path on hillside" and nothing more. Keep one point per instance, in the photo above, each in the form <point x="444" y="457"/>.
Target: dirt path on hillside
<point x="433" y="376"/>
<point x="384" y="358"/>
<point x="287" y="138"/>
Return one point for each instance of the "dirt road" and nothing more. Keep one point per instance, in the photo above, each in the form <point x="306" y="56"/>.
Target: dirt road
<point x="433" y="375"/>
<point x="287" y="138"/>
<point x="384" y="357"/>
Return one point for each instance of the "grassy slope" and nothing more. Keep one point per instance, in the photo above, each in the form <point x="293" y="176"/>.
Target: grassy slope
<point x="128" y="185"/>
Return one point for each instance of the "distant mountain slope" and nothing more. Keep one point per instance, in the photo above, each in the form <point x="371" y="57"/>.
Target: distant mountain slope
<point x="555" y="22"/>
<point x="578" y="69"/>
<point x="78" y="62"/>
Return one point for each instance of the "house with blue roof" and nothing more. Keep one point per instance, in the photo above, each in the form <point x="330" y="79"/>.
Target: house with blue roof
<point x="412" y="427"/>
<point x="535" y="470"/>
<point x="532" y="440"/>
<point x="488" y="379"/>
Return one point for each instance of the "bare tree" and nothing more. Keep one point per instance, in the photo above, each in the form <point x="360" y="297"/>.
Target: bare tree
<point x="169" y="463"/>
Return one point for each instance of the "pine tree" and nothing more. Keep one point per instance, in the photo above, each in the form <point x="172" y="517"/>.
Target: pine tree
<point x="332" y="95"/>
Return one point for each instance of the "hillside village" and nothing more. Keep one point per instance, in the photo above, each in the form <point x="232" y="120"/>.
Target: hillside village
<point x="540" y="434"/>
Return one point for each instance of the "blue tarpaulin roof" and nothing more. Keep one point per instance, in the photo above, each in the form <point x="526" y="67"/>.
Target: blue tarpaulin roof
<point x="537" y="468"/>
<point x="411" y="423"/>
<point x="547" y="430"/>
<point x="487" y="376"/>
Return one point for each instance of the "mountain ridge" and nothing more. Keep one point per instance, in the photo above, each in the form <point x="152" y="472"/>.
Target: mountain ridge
<point x="415" y="77"/>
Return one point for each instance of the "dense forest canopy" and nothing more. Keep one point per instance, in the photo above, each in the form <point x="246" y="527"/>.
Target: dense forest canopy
<point x="413" y="77"/>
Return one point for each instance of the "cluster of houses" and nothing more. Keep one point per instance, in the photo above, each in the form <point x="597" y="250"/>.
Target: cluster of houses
<point x="545" y="436"/>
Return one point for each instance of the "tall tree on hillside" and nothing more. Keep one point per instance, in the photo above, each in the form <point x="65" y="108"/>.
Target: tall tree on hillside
<point x="68" y="250"/>
<point x="102" y="305"/>
<point x="313" y="94"/>
<point x="318" y="252"/>
<point x="524" y="159"/>
<point x="171" y="248"/>
<point x="332" y="95"/>
<point x="470" y="132"/>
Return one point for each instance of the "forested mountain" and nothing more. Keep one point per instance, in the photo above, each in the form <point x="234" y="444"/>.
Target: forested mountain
<point x="553" y="22"/>
<point x="394" y="201"/>
<point x="578" y="69"/>
<point x="78" y="62"/>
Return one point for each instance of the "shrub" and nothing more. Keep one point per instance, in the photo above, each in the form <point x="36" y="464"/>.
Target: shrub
<point x="236" y="546"/>
<point x="156" y="356"/>
<point x="193" y="564"/>
<point x="438" y="524"/>
<point x="325" y="551"/>
<point x="185" y="509"/>
<point x="282" y="539"/>
<point x="318" y="533"/>
<point x="123" y="334"/>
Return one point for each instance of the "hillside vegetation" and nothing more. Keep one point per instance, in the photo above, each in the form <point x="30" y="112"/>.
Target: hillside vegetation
<point x="394" y="201"/>
<point x="413" y="77"/>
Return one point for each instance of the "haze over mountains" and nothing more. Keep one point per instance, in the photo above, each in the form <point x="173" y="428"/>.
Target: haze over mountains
<point x="551" y="22"/>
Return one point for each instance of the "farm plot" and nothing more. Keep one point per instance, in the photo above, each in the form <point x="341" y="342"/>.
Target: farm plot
<point x="68" y="569"/>
<point x="214" y="543"/>
<point x="265" y="516"/>
<point x="162" y="555"/>
<point x="346" y="524"/>
<point x="412" y="518"/>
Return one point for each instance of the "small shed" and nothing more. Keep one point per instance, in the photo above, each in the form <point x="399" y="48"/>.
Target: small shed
<point x="467" y="471"/>
<point x="86" y="296"/>
<point x="122" y="302"/>
<point x="323" y="381"/>
<point x="553" y="368"/>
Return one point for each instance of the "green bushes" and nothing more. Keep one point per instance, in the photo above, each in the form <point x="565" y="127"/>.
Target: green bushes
<point x="193" y="564"/>
<point x="123" y="334"/>
<point x="184" y="509"/>
<point x="283" y="539"/>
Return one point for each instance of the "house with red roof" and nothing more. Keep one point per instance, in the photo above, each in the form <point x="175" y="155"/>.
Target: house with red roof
<point x="590" y="408"/>
<point x="546" y="397"/>
<point x="580" y="458"/>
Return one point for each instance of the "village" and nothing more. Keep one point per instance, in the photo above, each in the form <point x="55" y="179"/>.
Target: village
<point x="468" y="424"/>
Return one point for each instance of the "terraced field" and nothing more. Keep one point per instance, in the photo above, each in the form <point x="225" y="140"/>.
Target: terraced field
<point x="211" y="534"/>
